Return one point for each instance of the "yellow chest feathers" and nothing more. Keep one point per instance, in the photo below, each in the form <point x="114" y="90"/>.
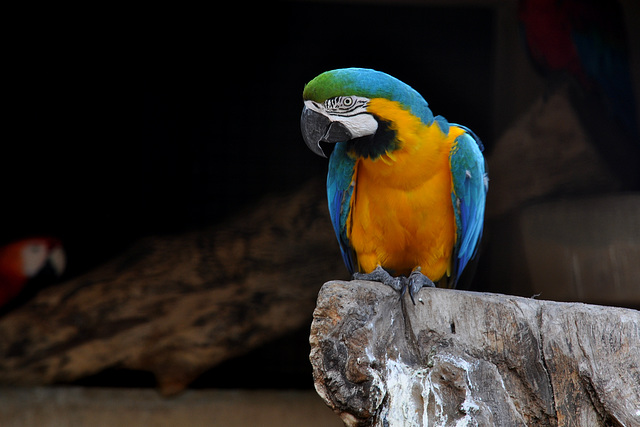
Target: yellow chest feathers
<point x="401" y="211"/>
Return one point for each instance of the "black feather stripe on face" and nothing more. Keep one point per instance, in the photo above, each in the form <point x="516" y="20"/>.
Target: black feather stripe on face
<point x="374" y="146"/>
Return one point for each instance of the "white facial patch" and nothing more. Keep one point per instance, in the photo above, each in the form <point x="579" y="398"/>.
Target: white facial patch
<point x="351" y="111"/>
<point x="360" y="125"/>
<point x="34" y="256"/>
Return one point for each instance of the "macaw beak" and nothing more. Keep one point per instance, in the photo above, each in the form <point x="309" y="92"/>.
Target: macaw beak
<point x="57" y="260"/>
<point x="317" y="129"/>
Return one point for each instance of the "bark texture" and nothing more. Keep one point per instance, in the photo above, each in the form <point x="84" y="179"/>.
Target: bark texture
<point x="466" y="358"/>
<point x="178" y="305"/>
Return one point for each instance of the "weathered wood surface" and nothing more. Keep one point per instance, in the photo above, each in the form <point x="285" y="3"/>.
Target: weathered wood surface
<point x="178" y="305"/>
<point x="466" y="358"/>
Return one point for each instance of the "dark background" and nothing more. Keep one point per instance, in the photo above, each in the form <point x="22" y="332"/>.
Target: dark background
<point x="126" y="123"/>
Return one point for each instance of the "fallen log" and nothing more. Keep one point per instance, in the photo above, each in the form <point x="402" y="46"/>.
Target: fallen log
<point x="467" y="358"/>
<point x="178" y="305"/>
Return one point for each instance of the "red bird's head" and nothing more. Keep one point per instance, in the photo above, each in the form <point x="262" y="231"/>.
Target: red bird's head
<point x="548" y="26"/>
<point x="26" y="259"/>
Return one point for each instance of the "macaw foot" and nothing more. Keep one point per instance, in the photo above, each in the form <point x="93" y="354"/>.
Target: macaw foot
<point x="381" y="275"/>
<point x="413" y="283"/>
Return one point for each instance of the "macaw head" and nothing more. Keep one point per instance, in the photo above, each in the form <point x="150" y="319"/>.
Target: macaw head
<point x="27" y="260"/>
<point x="337" y="108"/>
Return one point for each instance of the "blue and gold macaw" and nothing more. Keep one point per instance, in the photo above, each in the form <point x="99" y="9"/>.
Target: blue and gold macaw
<point x="406" y="189"/>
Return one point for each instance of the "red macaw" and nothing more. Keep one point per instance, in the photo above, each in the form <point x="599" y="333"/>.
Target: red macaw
<point x="24" y="260"/>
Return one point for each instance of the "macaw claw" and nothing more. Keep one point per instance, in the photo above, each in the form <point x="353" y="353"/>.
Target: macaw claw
<point x="381" y="275"/>
<point x="413" y="283"/>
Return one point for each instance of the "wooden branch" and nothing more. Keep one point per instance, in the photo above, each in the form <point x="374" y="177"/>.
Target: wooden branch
<point x="178" y="305"/>
<point x="466" y="358"/>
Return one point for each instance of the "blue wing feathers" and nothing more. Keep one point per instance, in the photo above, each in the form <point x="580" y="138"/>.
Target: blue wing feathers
<point x="339" y="191"/>
<point x="470" y="186"/>
<point x="443" y="124"/>
<point x="472" y="134"/>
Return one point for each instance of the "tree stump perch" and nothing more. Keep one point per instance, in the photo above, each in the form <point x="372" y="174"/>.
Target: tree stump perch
<point x="468" y="358"/>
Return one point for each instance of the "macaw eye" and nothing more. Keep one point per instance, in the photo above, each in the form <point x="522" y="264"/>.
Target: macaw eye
<point x="345" y="105"/>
